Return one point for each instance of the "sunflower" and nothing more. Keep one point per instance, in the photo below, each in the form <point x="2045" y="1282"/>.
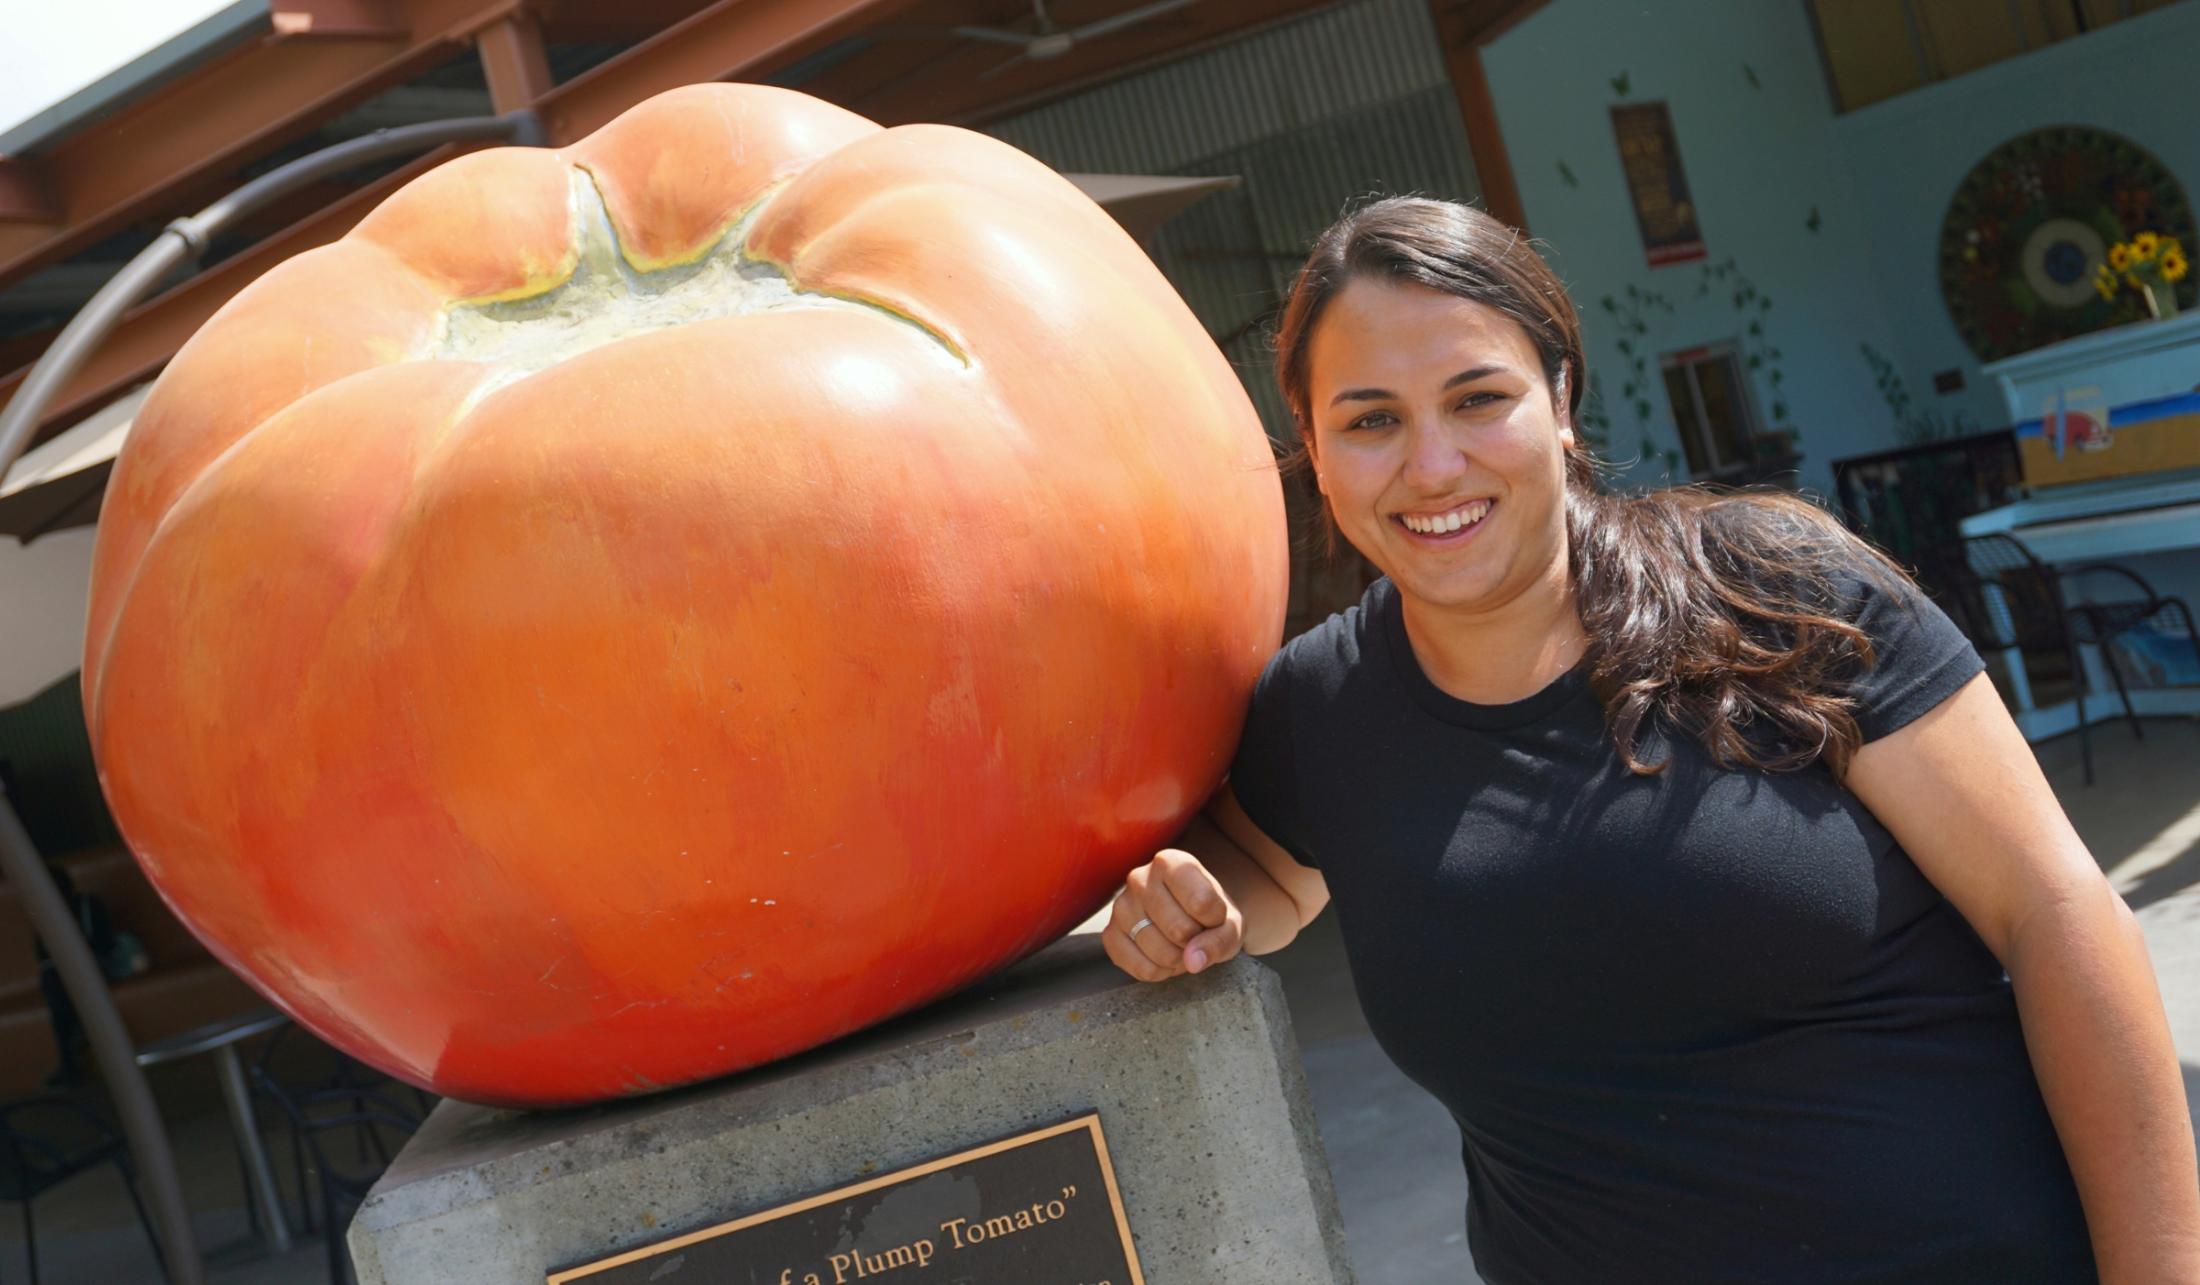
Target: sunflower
<point x="2173" y="264"/>
<point x="2105" y="282"/>
<point x="2145" y="245"/>
<point x="2119" y="256"/>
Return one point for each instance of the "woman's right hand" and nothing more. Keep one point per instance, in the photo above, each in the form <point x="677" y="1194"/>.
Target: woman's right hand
<point x="1172" y="917"/>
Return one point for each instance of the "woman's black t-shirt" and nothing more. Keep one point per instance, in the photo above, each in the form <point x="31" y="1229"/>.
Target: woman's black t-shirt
<point x="1708" y="1025"/>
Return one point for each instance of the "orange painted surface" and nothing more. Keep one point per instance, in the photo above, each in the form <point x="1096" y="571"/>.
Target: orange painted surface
<point x="708" y="694"/>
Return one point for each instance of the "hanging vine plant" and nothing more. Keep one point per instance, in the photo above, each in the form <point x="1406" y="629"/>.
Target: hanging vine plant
<point x="1633" y="318"/>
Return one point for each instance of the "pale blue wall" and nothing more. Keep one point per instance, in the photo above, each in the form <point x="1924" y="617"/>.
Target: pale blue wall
<point x="2139" y="78"/>
<point x="1757" y="161"/>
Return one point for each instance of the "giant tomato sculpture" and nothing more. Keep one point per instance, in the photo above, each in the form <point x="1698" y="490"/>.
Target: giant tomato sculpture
<point x="628" y="613"/>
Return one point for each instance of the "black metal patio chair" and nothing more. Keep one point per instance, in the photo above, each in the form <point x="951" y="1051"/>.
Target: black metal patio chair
<point x="323" y="1070"/>
<point x="319" y="1119"/>
<point x="2005" y="598"/>
<point x="47" y="1140"/>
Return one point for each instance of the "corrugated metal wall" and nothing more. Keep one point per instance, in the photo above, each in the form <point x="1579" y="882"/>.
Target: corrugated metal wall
<point x="1312" y="115"/>
<point x="1332" y="62"/>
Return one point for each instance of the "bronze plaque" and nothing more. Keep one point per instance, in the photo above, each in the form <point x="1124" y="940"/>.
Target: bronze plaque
<point x="1651" y="159"/>
<point x="1039" y="1208"/>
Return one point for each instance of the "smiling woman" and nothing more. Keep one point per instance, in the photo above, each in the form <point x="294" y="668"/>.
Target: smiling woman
<point x="1674" y="587"/>
<point x="1678" y="845"/>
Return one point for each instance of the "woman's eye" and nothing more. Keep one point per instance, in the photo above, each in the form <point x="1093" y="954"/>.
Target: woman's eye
<point x="1373" y="419"/>
<point x="1476" y="400"/>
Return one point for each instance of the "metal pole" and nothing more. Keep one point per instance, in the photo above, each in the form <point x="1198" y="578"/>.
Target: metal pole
<point x="186" y="239"/>
<point x="141" y="1122"/>
<point x="183" y="240"/>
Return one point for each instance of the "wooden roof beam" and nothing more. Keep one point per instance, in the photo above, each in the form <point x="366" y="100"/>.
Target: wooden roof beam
<point x="337" y="19"/>
<point x="729" y="37"/>
<point x="622" y="22"/>
<point x="716" y="43"/>
<point x="26" y="192"/>
<point x="152" y="332"/>
<point x="513" y="59"/>
<point x="127" y="166"/>
<point x="904" y="80"/>
<point x="1463" y="28"/>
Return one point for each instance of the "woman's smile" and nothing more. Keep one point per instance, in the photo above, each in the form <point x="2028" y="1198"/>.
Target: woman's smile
<point x="1446" y="527"/>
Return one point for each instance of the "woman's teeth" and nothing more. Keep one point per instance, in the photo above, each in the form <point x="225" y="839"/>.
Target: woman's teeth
<point x="1444" y="523"/>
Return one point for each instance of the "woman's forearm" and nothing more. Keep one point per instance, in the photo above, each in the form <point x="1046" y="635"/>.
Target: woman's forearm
<point x="2101" y="1047"/>
<point x="1271" y="918"/>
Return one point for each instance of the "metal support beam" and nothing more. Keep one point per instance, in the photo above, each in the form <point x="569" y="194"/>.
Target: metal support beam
<point x="149" y="335"/>
<point x="133" y="163"/>
<point x="513" y="59"/>
<point x="337" y="19"/>
<point x="729" y="37"/>
<point x="1462" y="32"/>
<point x="106" y="345"/>
<point x="899" y="81"/>
<point x="26" y="192"/>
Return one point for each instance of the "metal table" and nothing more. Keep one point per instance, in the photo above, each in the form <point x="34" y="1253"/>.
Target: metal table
<point x="221" y="1039"/>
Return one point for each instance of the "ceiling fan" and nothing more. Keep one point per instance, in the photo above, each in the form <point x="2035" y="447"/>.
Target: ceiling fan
<point x="1052" y="40"/>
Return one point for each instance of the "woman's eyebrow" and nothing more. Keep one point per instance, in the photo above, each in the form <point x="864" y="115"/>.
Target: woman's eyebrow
<point x="1383" y="394"/>
<point x="1470" y="375"/>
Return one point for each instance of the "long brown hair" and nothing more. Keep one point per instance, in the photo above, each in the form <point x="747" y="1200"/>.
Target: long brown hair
<point x="1713" y="615"/>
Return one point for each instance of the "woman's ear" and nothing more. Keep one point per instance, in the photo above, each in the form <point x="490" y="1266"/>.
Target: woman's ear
<point x="1562" y="408"/>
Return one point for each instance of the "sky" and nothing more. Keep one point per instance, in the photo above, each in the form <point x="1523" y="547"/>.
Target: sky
<point x="56" y="47"/>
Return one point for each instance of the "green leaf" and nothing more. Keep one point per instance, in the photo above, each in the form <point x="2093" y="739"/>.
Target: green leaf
<point x="1642" y="409"/>
<point x="1779" y="410"/>
<point x="1627" y="347"/>
<point x="1756" y="327"/>
<point x="1755" y="361"/>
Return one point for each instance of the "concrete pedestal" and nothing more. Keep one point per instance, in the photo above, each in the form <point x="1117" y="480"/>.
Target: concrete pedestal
<point x="1196" y="1081"/>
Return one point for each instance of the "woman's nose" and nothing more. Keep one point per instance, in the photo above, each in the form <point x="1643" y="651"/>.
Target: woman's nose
<point x="1433" y="459"/>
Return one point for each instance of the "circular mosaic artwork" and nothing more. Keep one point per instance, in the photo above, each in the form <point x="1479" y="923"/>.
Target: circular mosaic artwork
<point x="2030" y="223"/>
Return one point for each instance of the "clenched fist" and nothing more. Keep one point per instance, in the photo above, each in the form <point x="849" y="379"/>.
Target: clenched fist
<point x="1172" y="917"/>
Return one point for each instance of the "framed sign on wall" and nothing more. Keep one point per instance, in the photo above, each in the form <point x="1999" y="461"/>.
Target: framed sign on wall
<point x="1651" y="159"/>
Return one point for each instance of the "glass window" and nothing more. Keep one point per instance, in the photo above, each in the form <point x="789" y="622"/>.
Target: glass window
<point x="1875" y="49"/>
<point x="1711" y="408"/>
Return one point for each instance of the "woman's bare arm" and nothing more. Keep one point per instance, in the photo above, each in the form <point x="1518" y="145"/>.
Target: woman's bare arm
<point x="1961" y="791"/>
<point x="1223" y="887"/>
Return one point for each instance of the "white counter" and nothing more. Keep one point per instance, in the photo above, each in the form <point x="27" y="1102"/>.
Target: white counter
<point x="2134" y="363"/>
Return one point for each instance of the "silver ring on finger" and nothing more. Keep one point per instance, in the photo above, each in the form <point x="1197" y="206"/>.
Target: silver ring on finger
<point x="1139" y="927"/>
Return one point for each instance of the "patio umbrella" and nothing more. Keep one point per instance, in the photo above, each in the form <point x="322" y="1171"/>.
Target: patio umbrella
<point x="1143" y="202"/>
<point x="60" y="483"/>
